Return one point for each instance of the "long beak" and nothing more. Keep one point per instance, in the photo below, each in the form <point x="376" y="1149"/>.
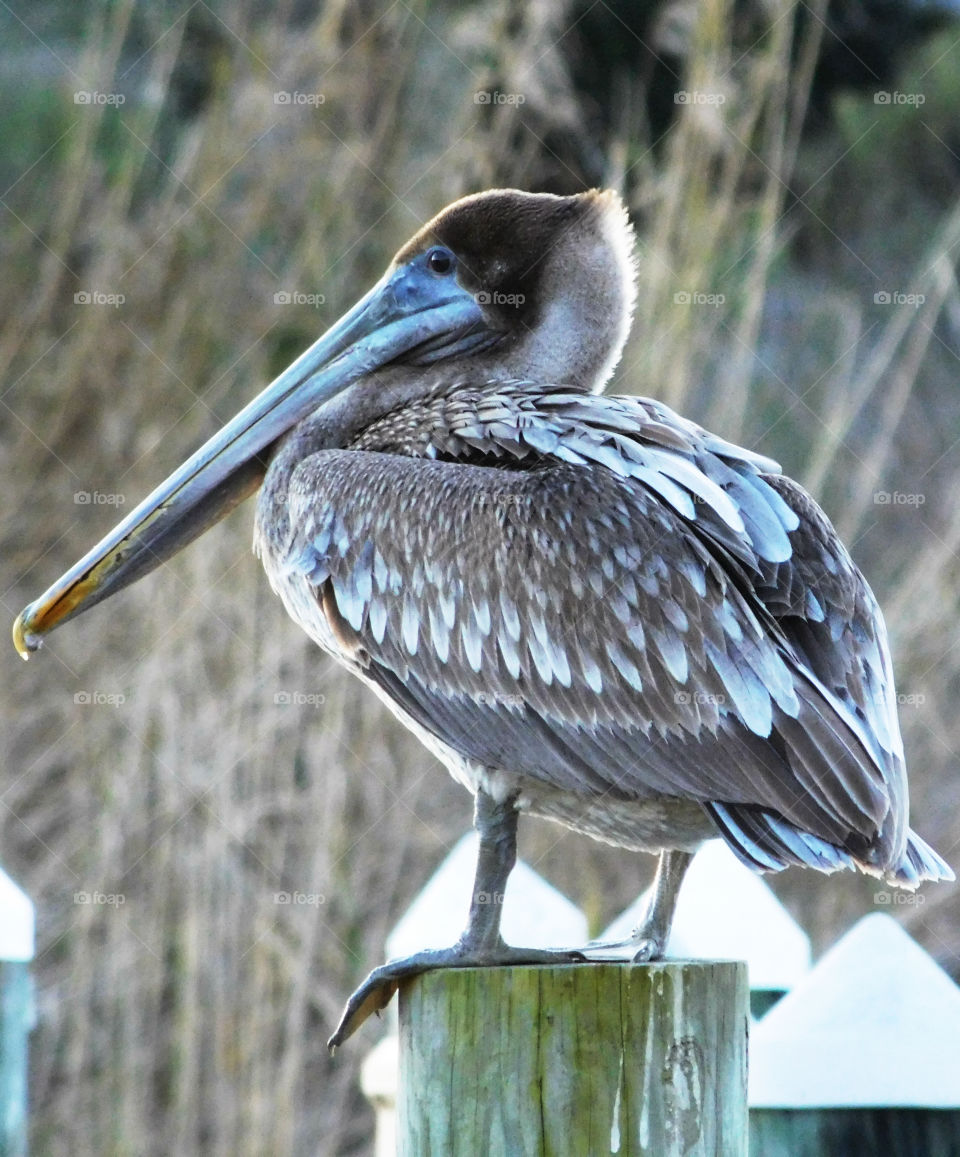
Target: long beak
<point x="408" y="312"/>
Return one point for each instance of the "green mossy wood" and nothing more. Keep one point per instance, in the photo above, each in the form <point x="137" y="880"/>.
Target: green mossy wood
<point x="646" y="1059"/>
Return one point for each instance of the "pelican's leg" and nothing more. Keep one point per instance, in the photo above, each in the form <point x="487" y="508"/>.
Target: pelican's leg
<point x="481" y="944"/>
<point x="652" y="933"/>
<point x="496" y="824"/>
<point x="648" y="941"/>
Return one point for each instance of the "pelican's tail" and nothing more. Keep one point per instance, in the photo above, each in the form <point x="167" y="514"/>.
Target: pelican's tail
<point x="920" y="862"/>
<point x="767" y="842"/>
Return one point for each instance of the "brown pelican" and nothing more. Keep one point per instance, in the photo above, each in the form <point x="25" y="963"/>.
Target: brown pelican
<point x="590" y="608"/>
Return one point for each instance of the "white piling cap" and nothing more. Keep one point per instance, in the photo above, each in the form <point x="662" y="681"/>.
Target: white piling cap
<point x="16" y="921"/>
<point x="727" y="912"/>
<point x="535" y="914"/>
<point x="379" y="1080"/>
<point x="876" y="1023"/>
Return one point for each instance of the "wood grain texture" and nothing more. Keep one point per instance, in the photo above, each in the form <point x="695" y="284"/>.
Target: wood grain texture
<point x="646" y="1059"/>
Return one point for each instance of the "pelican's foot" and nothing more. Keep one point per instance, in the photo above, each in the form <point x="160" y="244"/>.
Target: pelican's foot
<point x="643" y="947"/>
<point x="649" y="948"/>
<point x="648" y="941"/>
<point x="378" y="989"/>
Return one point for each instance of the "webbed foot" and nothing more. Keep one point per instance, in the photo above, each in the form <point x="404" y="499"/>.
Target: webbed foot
<point x="378" y="989"/>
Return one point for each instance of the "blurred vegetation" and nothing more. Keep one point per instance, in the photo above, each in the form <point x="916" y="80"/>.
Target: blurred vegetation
<point x="192" y="1018"/>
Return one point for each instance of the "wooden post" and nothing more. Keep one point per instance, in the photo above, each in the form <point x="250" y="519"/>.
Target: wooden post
<point x="631" y="1059"/>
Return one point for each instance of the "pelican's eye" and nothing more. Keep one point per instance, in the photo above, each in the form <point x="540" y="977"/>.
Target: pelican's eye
<point x="441" y="261"/>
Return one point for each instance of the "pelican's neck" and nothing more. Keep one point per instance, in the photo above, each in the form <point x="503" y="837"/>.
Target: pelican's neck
<point x="385" y="399"/>
<point x="318" y="432"/>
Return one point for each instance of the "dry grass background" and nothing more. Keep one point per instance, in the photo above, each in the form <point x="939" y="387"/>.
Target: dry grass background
<point x="192" y="1018"/>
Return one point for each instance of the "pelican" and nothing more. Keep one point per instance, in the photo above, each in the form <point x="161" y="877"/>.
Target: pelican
<point x="590" y="608"/>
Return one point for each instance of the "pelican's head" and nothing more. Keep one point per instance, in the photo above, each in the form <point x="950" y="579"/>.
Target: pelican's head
<point x="511" y="284"/>
<point x="554" y="278"/>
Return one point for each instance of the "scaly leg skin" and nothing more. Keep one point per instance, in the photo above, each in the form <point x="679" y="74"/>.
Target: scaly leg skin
<point x="480" y="944"/>
<point x="649" y="939"/>
<point x="651" y="935"/>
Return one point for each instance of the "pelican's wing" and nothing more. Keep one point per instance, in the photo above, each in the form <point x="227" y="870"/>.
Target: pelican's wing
<point x="602" y="630"/>
<point x="825" y="607"/>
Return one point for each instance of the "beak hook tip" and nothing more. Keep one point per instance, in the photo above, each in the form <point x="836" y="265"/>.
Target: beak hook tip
<point x="25" y="640"/>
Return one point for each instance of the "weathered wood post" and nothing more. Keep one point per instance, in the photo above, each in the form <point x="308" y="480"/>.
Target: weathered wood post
<point x="632" y="1059"/>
